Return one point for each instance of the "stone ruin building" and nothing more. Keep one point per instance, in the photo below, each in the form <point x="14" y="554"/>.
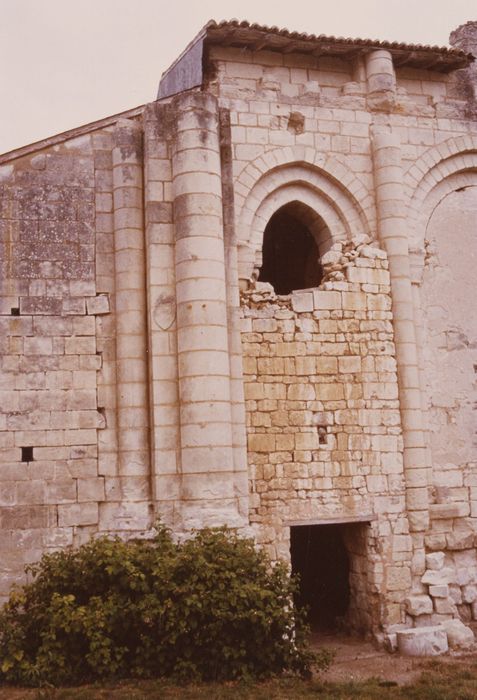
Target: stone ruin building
<point x="252" y="302"/>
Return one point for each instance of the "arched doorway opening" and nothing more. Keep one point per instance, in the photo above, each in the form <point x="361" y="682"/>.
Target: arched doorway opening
<point x="290" y="250"/>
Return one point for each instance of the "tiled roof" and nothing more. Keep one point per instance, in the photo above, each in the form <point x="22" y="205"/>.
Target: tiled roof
<point x="254" y="37"/>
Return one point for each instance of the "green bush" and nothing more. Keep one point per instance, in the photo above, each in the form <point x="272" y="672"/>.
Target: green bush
<point x="211" y="608"/>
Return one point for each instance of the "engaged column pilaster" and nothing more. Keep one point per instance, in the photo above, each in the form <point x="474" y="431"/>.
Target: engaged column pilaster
<point x="207" y="459"/>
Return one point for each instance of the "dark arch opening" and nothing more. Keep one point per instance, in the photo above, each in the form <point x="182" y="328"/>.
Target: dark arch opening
<point x="290" y="253"/>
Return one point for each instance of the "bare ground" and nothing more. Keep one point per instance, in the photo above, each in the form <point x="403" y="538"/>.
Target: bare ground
<point x="356" y="660"/>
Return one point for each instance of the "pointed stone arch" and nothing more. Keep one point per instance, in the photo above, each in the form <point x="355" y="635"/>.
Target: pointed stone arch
<point x="298" y="174"/>
<point x="291" y="248"/>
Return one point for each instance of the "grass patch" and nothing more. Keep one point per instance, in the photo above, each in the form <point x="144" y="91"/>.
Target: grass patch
<point x="439" y="680"/>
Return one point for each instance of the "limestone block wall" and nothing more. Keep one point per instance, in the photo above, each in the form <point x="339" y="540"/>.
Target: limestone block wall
<point x="122" y="254"/>
<point x="449" y="365"/>
<point x="324" y="428"/>
<point x="54" y="332"/>
<point x="450" y="354"/>
<point x="383" y="145"/>
<point x="73" y="346"/>
<point x="121" y="377"/>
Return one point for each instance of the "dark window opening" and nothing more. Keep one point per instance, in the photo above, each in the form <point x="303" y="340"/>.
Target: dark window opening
<point x="15" y="311"/>
<point x="319" y="557"/>
<point x="27" y="454"/>
<point x="290" y="254"/>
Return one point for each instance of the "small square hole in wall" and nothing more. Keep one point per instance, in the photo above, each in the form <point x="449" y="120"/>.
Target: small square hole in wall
<point x="322" y="435"/>
<point x="27" y="454"/>
<point x="15" y="311"/>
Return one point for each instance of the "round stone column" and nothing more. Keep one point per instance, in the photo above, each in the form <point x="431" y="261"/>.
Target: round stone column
<point x="392" y="232"/>
<point x="380" y="71"/>
<point x="207" y="460"/>
<point x="381" y="79"/>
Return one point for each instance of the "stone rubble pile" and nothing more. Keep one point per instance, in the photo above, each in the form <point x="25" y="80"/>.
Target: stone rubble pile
<point x="336" y="264"/>
<point x="438" y="605"/>
<point x="260" y="293"/>
<point x="343" y="254"/>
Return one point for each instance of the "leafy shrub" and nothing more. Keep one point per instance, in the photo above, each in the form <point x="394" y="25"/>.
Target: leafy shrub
<point x="211" y="608"/>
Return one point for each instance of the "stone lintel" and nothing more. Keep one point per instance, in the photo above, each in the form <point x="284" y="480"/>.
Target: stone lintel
<point x="338" y="520"/>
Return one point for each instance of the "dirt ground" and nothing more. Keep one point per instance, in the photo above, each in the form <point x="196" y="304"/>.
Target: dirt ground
<point x="356" y="659"/>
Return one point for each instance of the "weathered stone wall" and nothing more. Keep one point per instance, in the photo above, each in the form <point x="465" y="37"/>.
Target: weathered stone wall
<point x="60" y="464"/>
<point x="449" y="366"/>
<point x="298" y="119"/>
<point x="323" y="422"/>
<point x="331" y="103"/>
<point x="51" y="484"/>
<point x="450" y="353"/>
<point x="123" y="251"/>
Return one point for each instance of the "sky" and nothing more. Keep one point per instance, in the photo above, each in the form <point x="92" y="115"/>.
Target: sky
<point x="64" y="63"/>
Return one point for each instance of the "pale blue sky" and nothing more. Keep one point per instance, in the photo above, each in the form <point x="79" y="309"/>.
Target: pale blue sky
<point x="64" y="63"/>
